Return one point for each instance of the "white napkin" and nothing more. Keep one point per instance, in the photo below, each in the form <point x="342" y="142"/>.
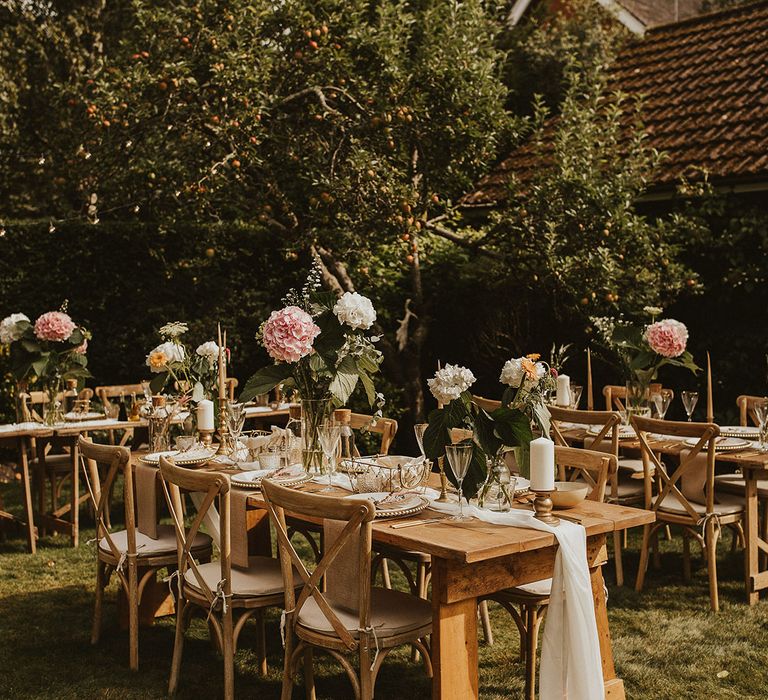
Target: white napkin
<point x="340" y="480"/>
<point x="571" y="665"/>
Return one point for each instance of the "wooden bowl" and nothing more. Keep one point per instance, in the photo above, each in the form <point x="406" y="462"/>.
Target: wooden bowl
<point x="569" y="494"/>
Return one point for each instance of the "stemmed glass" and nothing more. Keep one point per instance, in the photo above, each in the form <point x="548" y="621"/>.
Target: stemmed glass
<point x="761" y="413"/>
<point x="459" y="457"/>
<point x="235" y="421"/>
<point x="690" y="399"/>
<point x="330" y="437"/>
<point x="419" y="429"/>
<point x="575" y="394"/>
<point x="662" y="400"/>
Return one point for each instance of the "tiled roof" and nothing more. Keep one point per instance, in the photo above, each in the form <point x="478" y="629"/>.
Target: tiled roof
<point x="705" y="88"/>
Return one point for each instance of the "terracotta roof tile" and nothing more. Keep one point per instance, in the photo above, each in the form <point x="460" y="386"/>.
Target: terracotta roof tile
<point x="705" y="88"/>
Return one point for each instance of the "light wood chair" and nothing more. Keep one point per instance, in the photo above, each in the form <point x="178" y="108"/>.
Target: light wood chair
<point x="527" y="604"/>
<point x="215" y="588"/>
<point x="348" y="616"/>
<point x="489" y="405"/>
<point x="746" y="406"/>
<point x="687" y="496"/>
<point x="386" y="428"/>
<point x="114" y="391"/>
<point x="132" y="556"/>
<point x="616" y="395"/>
<point x="627" y="491"/>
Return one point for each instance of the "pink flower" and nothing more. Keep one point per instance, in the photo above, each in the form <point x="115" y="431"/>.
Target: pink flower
<point x="668" y="338"/>
<point x="288" y="334"/>
<point x="55" y="326"/>
<point x="82" y="348"/>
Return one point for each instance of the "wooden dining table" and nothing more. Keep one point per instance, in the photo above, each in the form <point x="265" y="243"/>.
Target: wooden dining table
<point x="472" y="559"/>
<point x="753" y="465"/>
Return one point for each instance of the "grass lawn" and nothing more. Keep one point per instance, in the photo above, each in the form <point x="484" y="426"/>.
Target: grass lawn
<point x="666" y="642"/>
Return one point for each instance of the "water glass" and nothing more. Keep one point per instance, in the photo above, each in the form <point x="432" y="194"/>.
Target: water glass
<point x="419" y="429"/>
<point x="235" y="421"/>
<point x="761" y="413"/>
<point x="661" y="401"/>
<point x="459" y="458"/>
<point x="690" y="399"/>
<point x="575" y="394"/>
<point x="330" y="437"/>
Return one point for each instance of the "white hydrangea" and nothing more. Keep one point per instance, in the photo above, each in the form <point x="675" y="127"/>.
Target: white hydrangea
<point x="9" y="331"/>
<point x="165" y="354"/>
<point x="449" y="383"/>
<point x="522" y="369"/>
<point x="355" y="310"/>
<point x="210" y="351"/>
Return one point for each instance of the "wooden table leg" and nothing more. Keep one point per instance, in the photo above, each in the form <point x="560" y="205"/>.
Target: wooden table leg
<point x="454" y="642"/>
<point x="28" y="510"/>
<point x="751" y="533"/>
<point x="75" y="498"/>
<point x="614" y="687"/>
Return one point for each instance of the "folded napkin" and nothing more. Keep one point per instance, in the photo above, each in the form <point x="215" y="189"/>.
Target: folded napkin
<point x="146" y="499"/>
<point x="340" y="480"/>
<point x="571" y="664"/>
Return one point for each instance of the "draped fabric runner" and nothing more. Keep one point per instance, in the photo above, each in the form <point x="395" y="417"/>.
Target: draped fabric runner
<point x="146" y="499"/>
<point x="238" y="529"/>
<point x="571" y="664"/>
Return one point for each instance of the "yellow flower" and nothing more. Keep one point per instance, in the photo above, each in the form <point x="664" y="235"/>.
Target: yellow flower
<point x="157" y="360"/>
<point x="529" y="368"/>
<point x="533" y="356"/>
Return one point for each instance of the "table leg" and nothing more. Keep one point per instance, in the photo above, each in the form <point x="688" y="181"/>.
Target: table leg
<point x="75" y="498"/>
<point x="454" y="642"/>
<point x="28" y="510"/>
<point x="751" y="533"/>
<point x="614" y="687"/>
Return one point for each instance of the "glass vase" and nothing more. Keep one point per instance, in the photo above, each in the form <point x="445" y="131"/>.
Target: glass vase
<point x="498" y="491"/>
<point x="314" y="412"/>
<point x="638" y="401"/>
<point x="53" y="412"/>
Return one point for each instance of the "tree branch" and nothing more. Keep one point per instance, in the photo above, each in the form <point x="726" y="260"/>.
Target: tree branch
<point x="319" y="92"/>
<point x="443" y="232"/>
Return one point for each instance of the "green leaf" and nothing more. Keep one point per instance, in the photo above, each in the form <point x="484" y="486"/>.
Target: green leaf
<point x="331" y="337"/>
<point x="485" y="433"/>
<point x="158" y="382"/>
<point x="512" y="426"/>
<point x="266" y="379"/>
<point x="344" y="380"/>
<point x="370" y="389"/>
<point x="437" y="435"/>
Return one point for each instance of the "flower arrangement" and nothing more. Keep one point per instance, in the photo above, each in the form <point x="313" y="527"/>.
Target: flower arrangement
<point x="193" y="373"/>
<point x="529" y="382"/>
<point x="505" y="427"/>
<point x="320" y="346"/>
<point x="46" y="352"/>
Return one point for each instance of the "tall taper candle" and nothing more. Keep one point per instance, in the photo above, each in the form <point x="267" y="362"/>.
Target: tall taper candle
<point x="710" y="405"/>
<point x="590" y="399"/>
<point x="542" y="464"/>
<point x="221" y="363"/>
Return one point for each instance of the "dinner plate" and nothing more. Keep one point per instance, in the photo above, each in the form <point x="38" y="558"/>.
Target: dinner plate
<point x="565" y="425"/>
<point x="396" y="506"/>
<point x="722" y="444"/>
<point x="746" y="432"/>
<point x="191" y="458"/>
<point x="626" y="432"/>
<point x="252" y="479"/>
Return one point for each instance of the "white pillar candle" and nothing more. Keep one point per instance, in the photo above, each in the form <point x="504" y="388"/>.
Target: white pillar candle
<point x="542" y="464"/>
<point x="563" y="397"/>
<point x="205" y="415"/>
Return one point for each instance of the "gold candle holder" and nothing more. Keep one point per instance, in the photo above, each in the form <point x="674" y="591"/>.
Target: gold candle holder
<point x="223" y="431"/>
<point x="542" y="507"/>
<point x="206" y="437"/>
<point x="443" y="498"/>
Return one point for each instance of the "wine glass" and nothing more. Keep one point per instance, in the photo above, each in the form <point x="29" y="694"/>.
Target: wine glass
<point x="761" y="413"/>
<point x="690" y="399"/>
<point x="235" y="421"/>
<point x="661" y="400"/>
<point x="459" y="457"/>
<point x="330" y="436"/>
<point x="575" y="394"/>
<point x="420" y="429"/>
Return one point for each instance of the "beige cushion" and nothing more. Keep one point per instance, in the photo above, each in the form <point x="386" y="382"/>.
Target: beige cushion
<point x="262" y="577"/>
<point x="734" y="483"/>
<point x="629" y="464"/>
<point x="145" y="546"/>
<point x="392" y="612"/>
<point x="727" y="505"/>
<point x="537" y="588"/>
<point x="627" y="488"/>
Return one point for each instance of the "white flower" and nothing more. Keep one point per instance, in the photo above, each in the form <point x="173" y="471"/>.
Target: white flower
<point x="174" y="329"/>
<point x="9" y="330"/>
<point x="653" y="310"/>
<point x="520" y="369"/>
<point x="449" y="383"/>
<point x="210" y="351"/>
<point x="355" y="310"/>
<point x="163" y="355"/>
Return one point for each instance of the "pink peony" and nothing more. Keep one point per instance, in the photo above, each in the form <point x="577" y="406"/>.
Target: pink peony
<point x="668" y="338"/>
<point x="82" y="348"/>
<point x="55" y="326"/>
<point x="288" y="334"/>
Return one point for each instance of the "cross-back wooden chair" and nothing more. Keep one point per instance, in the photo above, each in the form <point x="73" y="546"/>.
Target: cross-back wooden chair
<point x="347" y="616"/>
<point x="687" y="496"/>
<point x="527" y="604"/>
<point x="215" y="588"/>
<point x="132" y="556"/>
<point x="746" y="406"/>
<point x="114" y="391"/>
<point x="624" y="491"/>
<point x="615" y="395"/>
<point x="384" y="427"/>
<point x="487" y="404"/>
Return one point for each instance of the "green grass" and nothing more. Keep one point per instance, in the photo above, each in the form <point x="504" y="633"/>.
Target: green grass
<point x="666" y="642"/>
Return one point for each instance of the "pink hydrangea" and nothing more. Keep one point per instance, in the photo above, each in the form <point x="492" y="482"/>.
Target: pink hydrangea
<point x="668" y="338"/>
<point x="288" y="334"/>
<point x="55" y="326"/>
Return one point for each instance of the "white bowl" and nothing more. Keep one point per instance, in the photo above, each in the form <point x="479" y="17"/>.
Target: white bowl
<point x="568" y="494"/>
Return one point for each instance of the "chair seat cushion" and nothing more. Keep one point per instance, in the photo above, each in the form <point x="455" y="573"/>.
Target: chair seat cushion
<point x="539" y="588"/>
<point x="734" y="483"/>
<point x="403" y="554"/>
<point x="628" y="488"/>
<point x="146" y="546"/>
<point x="631" y="464"/>
<point x="392" y="613"/>
<point x="262" y="577"/>
<point x="727" y="505"/>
